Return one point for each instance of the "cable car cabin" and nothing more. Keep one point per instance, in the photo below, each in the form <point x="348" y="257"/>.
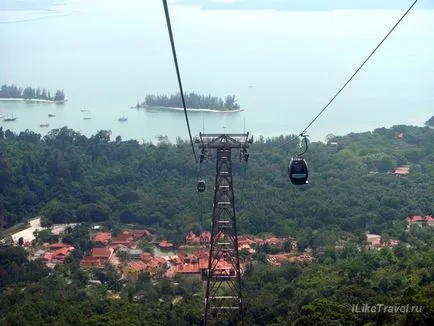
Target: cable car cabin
<point x="201" y="186"/>
<point x="298" y="171"/>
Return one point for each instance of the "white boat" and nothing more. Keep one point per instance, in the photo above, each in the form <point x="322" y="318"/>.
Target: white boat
<point x="9" y="119"/>
<point x="87" y="118"/>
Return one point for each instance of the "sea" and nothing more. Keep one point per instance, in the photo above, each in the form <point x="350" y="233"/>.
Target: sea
<point x="282" y="66"/>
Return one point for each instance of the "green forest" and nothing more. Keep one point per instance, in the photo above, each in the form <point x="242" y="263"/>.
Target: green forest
<point x="68" y="177"/>
<point x="192" y="101"/>
<point x="29" y="93"/>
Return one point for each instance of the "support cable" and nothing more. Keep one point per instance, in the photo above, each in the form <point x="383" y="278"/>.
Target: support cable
<point x="361" y="66"/>
<point x="175" y="59"/>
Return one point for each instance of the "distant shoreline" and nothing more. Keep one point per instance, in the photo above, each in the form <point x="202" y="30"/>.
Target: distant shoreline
<point x="31" y="100"/>
<point x="161" y="108"/>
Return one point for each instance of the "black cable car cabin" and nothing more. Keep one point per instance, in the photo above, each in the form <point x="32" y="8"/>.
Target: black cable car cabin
<point x="298" y="171"/>
<point x="201" y="186"/>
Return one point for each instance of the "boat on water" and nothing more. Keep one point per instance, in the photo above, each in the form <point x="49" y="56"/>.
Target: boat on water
<point x="51" y="115"/>
<point x="87" y="118"/>
<point x="9" y="119"/>
<point x="44" y="125"/>
<point x="123" y="119"/>
<point x="84" y="110"/>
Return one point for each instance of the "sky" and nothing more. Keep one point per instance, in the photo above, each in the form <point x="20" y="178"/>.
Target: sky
<point x="304" y="5"/>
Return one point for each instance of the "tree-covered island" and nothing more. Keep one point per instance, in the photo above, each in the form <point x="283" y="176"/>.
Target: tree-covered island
<point x="192" y="100"/>
<point x="29" y="93"/>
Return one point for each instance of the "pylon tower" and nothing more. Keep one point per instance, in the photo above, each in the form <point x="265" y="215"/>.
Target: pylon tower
<point x="223" y="297"/>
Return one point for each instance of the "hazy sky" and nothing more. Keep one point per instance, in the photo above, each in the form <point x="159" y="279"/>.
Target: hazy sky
<point x="310" y="5"/>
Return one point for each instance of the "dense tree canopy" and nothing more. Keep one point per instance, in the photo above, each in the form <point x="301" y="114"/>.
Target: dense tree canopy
<point x="13" y="91"/>
<point x="192" y="100"/>
<point x="68" y="177"/>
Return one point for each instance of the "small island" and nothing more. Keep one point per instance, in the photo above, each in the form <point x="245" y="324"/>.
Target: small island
<point x="430" y="122"/>
<point x="193" y="101"/>
<point x="15" y="93"/>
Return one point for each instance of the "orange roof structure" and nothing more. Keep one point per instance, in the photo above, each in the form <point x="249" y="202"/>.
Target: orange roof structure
<point x="205" y="237"/>
<point x="140" y="233"/>
<point x="188" y="269"/>
<point x="401" y="171"/>
<point x="273" y="241"/>
<point x="138" y="266"/>
<point x="103" y="237"/>
<point x="104" y="253"/>
<point x="92" y="262"/>
<point x="58" y="245"/>
<point x="146" y="256"/>
<point x="166" y="244"/>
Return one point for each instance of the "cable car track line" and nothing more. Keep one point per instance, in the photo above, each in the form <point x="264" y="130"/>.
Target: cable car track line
<point x="361" y="66"/>
<point x="175" y="59"/>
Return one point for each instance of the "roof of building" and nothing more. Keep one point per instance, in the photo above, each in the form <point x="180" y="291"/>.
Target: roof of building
<point x="135" y="252"/>
<point x="418" y="218"/>
<point x="105" y="252"/>
<point x="166" y="244"/>
<point x="138" y="265"/>
<point x="89" y="258"/>
<point x="205" y="234"/>
<point x="188" y="268"/>
<point x="171" y="272"/>
<point x="102" y="236"/>
<point x="190" y="235"/>
<point x="160" y="259"/>
<point x="61" y="252"/>
<point x="59" y="245"/>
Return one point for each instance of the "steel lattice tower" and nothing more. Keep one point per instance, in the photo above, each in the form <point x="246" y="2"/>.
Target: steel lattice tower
<point x="223" y="298"/>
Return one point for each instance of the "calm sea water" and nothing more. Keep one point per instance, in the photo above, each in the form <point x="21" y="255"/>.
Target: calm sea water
<point x="108" y="54"/>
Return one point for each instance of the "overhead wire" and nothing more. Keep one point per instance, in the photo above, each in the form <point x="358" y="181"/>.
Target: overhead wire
<point x="175" y="59"/>
<point x="357" y="71"/>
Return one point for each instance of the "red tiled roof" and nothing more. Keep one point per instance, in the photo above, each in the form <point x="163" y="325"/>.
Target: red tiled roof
<point x="48" y="256"/>
<point x="203" y="263"/>
<point x="58" y="245"/>
<point x="188" y="269"/>
<point x="166" y="244"/>
<point x="191" y="235"/>
<point x="201" y="253"/>
<point x="89" y="258"/>
<point x="137" y="265"/>
<point x="414" y="219"/>
<point x="102" y="237"/>
<point x="61" y="252"/>
<point x="101" y="252"/>
<point x="140" y="233"/>
<point x="91" y="262"/>
<point x="273" y="241"/>
<point x="123" y="237"/>
<point x="160" y="259"/>
<point x="401" y="171"/>
<point x="146" y="256"/>
<point x="205" y="236"/>
<point x="171" y="272"/>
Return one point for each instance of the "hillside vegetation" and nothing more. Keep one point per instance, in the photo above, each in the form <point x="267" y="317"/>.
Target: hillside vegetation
<point x="68" y="177"/>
